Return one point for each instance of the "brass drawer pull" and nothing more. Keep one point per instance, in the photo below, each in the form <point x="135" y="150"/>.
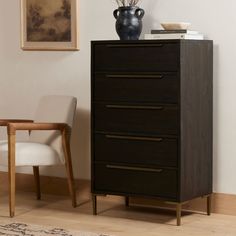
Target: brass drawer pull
<point x="134" y="107"/>
<point x="135" y="76"/>
<point x="135" y="45"/>
<point x="134" y="138"/>
<point x="133" y="168"/>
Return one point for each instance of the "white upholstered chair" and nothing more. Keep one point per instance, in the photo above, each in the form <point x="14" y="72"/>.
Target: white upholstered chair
<point x="48" y="144"/>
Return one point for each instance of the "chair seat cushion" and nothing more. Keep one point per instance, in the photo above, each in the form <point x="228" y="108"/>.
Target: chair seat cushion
<point x="30" y="154"/>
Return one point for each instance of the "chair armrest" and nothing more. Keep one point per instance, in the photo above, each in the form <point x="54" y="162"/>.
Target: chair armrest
<point x="5" y="122"/>
<point x="13" y="127"/>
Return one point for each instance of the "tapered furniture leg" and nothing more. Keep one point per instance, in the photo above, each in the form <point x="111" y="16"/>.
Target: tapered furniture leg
<point x="37" y="182"/>
<point x="11" y="173"/>
<point x="94" y="199"/>
<point x="178" y="213"/>
<point x="209" y="205"/>
<point x="68" y="164"/>
<point x="127" y="201"/>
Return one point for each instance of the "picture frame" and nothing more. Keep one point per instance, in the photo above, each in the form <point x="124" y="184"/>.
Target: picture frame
<point x="49" y="25"/>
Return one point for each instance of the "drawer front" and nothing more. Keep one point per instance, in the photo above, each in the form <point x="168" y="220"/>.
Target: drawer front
<point x="150" y="119"/>
<point x="136" y="150"/>
<point x="133" y="180"/>
<point x="136" y="57"/>
<point x="161" y="87"/>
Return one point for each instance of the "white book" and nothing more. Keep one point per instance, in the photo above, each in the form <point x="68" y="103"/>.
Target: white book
<point x="174" y="36"/>
<point x="180" y="31"/>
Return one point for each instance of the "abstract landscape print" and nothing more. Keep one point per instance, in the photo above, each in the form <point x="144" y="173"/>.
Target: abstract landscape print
<point x="49" y="24"/>
<point x="49" y="20"/>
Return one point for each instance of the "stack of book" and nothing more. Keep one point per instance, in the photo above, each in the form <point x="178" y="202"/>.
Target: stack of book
<point x="174" y="34"/>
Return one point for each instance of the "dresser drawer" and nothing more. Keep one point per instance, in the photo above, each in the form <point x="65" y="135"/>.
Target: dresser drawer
<point x="135" y="180"/>
<point x="150" y="119"/>
<point x="136" y="150"/>
<point x="138" y="87"/>
<point x="136" y="57"/>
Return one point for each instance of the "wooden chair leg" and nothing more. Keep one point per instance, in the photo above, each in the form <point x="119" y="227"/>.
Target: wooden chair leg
<point x="37" y="182"/>
<point x="69" y="170"/>
<point x="11" y="173"/>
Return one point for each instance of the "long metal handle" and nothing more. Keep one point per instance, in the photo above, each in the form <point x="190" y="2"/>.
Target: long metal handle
<point x="134" y="138"/>
<point x="134" y="168"/>
<point x="135" y="76"/>
<point x="134" y="45"/>
<point x="134" y="107"/>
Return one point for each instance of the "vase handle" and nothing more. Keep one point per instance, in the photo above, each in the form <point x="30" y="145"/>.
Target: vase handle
<point x="115" y="13"/>
<point x="139" y="13"/>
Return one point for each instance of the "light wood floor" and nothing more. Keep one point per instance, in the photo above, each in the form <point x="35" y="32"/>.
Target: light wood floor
<point x="114" y="218"/>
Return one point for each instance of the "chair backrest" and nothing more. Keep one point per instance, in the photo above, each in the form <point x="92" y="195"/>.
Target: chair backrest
<point x="54" y="109"/>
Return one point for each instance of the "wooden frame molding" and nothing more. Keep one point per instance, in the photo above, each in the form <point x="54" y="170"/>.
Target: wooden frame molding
<point x="72" y="45"/>
<point x="5" y="122"/>
<point x="13" y="127"/>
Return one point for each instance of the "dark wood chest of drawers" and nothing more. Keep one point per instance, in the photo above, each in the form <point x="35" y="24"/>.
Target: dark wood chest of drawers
<point x="151" y="124"/>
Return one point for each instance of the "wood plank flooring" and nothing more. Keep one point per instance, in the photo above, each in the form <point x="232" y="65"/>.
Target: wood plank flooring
<point x="113" y="218"/>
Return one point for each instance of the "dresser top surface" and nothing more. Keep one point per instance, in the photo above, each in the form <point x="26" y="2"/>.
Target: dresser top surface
<point x="148" y="41"/>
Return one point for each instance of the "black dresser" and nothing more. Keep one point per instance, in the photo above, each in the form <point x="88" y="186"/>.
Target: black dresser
<point x="151" y="121"/>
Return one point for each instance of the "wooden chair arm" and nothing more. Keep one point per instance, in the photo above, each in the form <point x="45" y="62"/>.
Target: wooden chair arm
<point x="5" y="122"/>
<point x="12" y="127"/>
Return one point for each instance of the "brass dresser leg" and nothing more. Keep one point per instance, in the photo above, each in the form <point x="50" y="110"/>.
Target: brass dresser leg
<point x="209" y="205"/>
<point x="178" y="213"/>
<point x="94" y="199"/>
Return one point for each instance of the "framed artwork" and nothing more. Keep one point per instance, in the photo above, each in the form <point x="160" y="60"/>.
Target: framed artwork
<point x="49" y="25"/>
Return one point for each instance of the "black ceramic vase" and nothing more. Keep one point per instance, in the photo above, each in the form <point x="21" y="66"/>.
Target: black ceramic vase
<point x="128" y="22"/>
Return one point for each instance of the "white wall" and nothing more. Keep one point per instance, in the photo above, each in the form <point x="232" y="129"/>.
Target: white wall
<point x="26" y="76"/>
<point x="215" y="19"/>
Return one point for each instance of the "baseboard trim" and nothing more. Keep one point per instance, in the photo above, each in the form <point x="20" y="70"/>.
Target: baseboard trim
<point x="49" y="185"/>
<point x="221" y="203"/>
